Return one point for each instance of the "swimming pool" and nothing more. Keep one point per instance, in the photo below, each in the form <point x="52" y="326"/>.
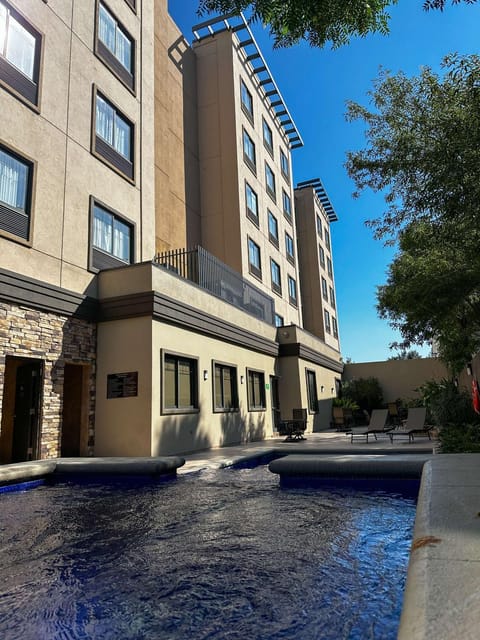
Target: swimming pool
<point x="224" y="554"/>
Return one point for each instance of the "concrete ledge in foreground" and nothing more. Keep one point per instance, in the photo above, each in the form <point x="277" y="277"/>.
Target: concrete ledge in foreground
<point x="24" y="471"/>
<point x="387" y="466"/>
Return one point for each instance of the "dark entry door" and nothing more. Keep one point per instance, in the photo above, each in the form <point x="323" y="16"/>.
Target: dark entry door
<point x="27" y="409"/>
<point x="72" y="415"/>
<point x="275" y="401"/>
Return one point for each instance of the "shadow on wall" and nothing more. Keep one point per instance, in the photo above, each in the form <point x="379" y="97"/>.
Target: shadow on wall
<point x="183" y="434"/>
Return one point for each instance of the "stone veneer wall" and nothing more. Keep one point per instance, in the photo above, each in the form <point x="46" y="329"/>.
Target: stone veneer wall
<point x="56" y="340"/>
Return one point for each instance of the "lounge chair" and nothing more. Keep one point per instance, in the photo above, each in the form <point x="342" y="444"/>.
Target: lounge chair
<point x="377" y="424"/>
<point x="414" y="424"/>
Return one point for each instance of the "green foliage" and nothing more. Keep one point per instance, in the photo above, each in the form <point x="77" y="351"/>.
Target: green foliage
<point x="366" y="392"/>
<point x="423" y="152"/>
<point x="346" y="403"/>
<point x="460" y="438"/>
<point x="317" y="21"/>
<point x="446" y="403"/>
<point x="405" y="354"/>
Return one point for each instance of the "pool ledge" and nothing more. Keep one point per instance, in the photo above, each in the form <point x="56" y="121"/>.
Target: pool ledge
<point x="22" y="471"/>
<point x="442" y="594"/>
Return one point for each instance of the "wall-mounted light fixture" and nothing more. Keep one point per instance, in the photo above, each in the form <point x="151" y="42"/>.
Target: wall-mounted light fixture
<point x="322" y="389"/>
<point x="469" y="368"/>
<point x="242" y="379"/>
<point x="205" y="374"/>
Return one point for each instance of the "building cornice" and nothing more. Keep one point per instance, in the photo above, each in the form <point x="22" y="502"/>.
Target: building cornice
<point x="22" y="290"/>
<point x="299" y="350"/>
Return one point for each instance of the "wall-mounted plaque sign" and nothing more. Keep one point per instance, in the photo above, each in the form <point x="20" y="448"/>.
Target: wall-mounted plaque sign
<point x="122" y="385"/>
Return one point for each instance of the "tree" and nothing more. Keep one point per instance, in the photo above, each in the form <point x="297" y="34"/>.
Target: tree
<point x="423" y="145"/>
<point x="317" y="21"/>
<point x="405" y="354"/>
<point x="423" y="153"/>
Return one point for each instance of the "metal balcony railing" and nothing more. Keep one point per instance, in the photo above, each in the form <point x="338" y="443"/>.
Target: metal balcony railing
<point x="208" y="272"/>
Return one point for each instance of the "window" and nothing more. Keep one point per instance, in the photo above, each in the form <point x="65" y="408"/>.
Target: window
<point x="225" y="387"/>
<point x="312" y="391"/>
<point x="16" y="179"/>
<point x="267" y="137"/>
<point x="324" y="289"/>
<point x="254" y="262"/>
<point x="132" y="4"/>
<point x="272" y="229"/>
<point x="278" y="320"/>
<point x="326" y="315"/>
<point x="335" y="327"/>
<point x="322" y="256"/>
<point x="284" y="166"/>
<point x="289" y="248"/>
<point x="247" y="100"/>
<point x="256" y="390"/>
<point x="112" y="238"/>
<point x="319" y="226"/>
<point x="329" y="267"/>
<point x="276" y="276"/>
<point x="20" y="50"/>
<point x="292" y="291"/>
<point x="327" y="239"/>
<point x="115" y="46"/>
<point x="180" y="384"/>
<point x="287" y="205"/>
<point x="249" y="151"/>
<point x="270" y="182"/>
<point x="252" y="203"/>
<point x="332" y="297"/>
<point x="114" y="137"/>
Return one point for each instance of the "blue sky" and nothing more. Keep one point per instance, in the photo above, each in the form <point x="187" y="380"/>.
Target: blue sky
<point x="316" y="84"/>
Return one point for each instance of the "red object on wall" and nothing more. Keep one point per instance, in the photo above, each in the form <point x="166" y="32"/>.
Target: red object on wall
<point x="475" y="396"/>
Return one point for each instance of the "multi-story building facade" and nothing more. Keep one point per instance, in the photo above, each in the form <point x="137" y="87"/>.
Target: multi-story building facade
<point x="109" y="155"/>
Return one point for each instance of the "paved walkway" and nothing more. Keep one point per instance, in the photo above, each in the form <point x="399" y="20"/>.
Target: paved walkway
<point x="327" y="442"/>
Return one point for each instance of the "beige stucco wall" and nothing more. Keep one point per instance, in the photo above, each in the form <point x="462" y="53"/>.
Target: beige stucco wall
<point x="58" y="140"/>
<point x="177" y="191"/>
<point x="123" y="425"/>
<point x="225" y="226"/>
<point x="399" y="378"/>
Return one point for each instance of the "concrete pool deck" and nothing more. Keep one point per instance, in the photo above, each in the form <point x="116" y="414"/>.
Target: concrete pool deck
<point x="442" y="594"/>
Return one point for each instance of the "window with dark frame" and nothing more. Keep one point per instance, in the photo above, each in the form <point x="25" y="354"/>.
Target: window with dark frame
<point x="114" y="136"/>
<point x="312" y="391"/>
<point x="332" y="297"/>
<point x="327" y="239"/>
<point x="270" y="182"/>
<point x="324" y="289"/>
<point x="278" y="320"/>
<point x="329" y="267"/>
<point x="289" y="248"/>
<point x="267" y="137"/>
<point x="292" y="291"/>
<point x="319" y="226"/>
<point x="251" y="199"/>
<point x="334" y="327"/>
<point x="326" y="316"/>
<point x="115" y="46"/>
<point x="246" y="100"/>
<point x="16" y="180"/>
<point x="256" y="390"/>
<point x="112" y="238"/>
<point x="225" y="387"/>
<point x="276" y="276"/>
<point x="254" y="259"/>
<point x="287" y="205"/>
<point x="180" y="384"/>
<point x="249" y="154"/>
<point x="272" y="228"/>
<point x="132" y="4"/>
<point x="322" y="256"/>
<point x="20" y="52"/>
<point x="284" y="166"/>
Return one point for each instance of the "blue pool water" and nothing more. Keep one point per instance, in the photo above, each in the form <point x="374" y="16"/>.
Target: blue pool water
<point x="227" y="554"/>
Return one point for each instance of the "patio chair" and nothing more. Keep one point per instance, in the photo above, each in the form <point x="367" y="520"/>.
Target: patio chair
<point x="295" y="427"/>
<point x="342" y="418"/>
<point x="377" y="425"/>
<point x="414" y="424"/>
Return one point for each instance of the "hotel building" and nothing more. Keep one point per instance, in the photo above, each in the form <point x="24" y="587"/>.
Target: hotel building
<point x="159" y="287"/>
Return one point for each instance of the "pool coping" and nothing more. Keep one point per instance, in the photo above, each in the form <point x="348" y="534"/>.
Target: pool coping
<point x="442" y="592"/>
